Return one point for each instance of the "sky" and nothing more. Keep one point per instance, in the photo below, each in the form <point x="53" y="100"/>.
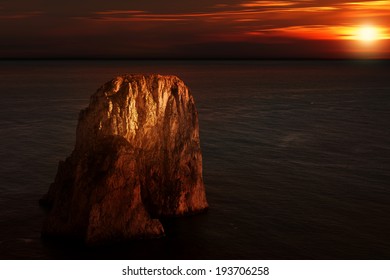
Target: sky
<point x="197" y="29"/>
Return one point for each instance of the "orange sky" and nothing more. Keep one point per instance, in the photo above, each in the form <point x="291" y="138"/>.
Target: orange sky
<point x="195" y="29"/>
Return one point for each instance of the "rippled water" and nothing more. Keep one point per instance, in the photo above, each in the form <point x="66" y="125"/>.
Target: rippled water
<point x="296" y="158"/>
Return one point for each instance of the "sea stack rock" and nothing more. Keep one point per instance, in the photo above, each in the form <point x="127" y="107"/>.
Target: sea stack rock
<point x="137" y="158"/>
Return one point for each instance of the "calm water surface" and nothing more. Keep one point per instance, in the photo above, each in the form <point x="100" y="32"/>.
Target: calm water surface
<point x="296" y="158"/>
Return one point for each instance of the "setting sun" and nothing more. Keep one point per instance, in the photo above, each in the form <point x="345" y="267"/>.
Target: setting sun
<point x="368" y="33"/>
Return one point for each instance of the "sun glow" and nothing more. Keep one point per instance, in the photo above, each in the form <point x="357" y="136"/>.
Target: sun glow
<point x="368" y="33"/>
<point x="366" y="41"/>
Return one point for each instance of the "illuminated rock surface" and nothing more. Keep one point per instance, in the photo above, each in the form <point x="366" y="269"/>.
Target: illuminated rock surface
<point x="137" y="158"/>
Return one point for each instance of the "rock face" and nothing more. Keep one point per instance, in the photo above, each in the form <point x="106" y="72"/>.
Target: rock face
<point x="137" y="158"/>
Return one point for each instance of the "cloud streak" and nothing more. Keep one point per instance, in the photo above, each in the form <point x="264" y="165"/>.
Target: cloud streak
<point x="267" y="4"/>
<point x="318" y="32"/>
<point x="19" y="15"/>
<point x="253" y="11"/>
<point x="224" y="15"/>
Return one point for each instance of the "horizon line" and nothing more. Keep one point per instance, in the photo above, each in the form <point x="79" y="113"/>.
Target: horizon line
<point x="189" y="59"/>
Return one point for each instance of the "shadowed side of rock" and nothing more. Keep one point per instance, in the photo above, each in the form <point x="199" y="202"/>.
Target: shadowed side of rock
<point x="97" y="197"/>
<point x="137" y="156"/>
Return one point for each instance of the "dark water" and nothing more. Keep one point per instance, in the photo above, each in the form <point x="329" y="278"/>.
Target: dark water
<point x="296" y="158"/>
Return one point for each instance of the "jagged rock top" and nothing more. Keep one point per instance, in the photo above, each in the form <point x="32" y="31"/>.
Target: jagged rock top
<point x="132" y="105"/>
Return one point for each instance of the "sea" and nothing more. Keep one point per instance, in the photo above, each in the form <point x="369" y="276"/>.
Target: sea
<point x="296" y="158"/>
